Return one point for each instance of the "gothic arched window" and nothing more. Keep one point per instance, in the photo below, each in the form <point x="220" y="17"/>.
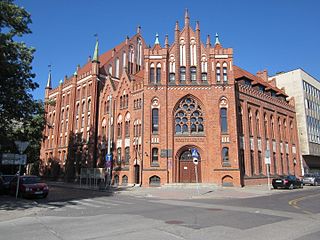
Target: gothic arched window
<point x="189" y="117"/>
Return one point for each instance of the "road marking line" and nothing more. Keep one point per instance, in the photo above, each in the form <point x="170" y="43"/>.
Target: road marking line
<point x="103" y="202"/>
<point x="294" y="202"/>
<point x="84" y="203"/>
<point x="74" y="207"/>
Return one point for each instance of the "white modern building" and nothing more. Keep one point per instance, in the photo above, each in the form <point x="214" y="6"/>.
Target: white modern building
<point x="306" y="91"/>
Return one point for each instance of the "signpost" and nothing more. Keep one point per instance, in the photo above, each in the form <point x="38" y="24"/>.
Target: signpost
<point x="195" y="159"/>
<point x="21" y="147"/>
<point x="267" y="161"/>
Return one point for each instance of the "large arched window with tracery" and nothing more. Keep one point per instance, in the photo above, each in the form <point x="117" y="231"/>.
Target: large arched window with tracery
<point x="189" y="117"/>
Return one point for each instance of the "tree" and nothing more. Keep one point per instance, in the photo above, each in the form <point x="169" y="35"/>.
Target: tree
<point x="17" y="106"/>
<point x="21" y="117"/>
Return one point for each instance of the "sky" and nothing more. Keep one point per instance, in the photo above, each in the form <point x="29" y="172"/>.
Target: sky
<point x="277" y="35"/>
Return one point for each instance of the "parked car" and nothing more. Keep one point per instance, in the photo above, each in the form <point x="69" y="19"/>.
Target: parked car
<point x="6" y="179"/>
<point x="29" y="186"/>
<point x="289" y="182"/>
<point x="312" y="179"/>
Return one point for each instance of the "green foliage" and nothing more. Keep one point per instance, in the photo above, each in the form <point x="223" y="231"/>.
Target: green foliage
<point x="16" y="78"/>
<point x="21" y="117"/>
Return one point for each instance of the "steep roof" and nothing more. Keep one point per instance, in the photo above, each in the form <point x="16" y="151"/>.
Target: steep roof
<point x="241" y="73"/>
<point x="103" y="58"/>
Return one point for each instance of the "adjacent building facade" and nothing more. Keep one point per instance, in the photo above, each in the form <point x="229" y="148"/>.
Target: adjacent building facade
<point x="306" y="91"/>
<point x="158" y="104"/>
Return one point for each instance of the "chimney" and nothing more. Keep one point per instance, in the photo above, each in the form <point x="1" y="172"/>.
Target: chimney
<point x="263" y="74"/>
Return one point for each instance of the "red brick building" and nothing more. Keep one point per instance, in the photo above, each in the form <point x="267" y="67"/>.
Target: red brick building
<point x="163" y="102"/>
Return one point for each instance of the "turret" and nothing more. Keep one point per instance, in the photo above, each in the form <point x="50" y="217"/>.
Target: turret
<point x="95" y="59"/>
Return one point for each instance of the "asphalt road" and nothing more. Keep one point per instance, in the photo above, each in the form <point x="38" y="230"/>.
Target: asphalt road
<point x="83" y="214"/>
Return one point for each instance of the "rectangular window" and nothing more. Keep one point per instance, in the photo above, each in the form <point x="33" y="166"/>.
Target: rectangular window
<point x="151" y="75"/>
<point x="172" y="77"/>
<point x="223" y="120"/>
<point x="158" y="75"/>
<point x="225" y="76"/>
<point x="155" y="120"/>
<point x="155" y="156"/>
<point x="182" y="74"/>
<point x="127" y="155"/>
<point x="193" y="73"/>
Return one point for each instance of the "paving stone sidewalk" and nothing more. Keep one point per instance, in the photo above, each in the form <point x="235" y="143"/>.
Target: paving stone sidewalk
<point x="183" y="192"/>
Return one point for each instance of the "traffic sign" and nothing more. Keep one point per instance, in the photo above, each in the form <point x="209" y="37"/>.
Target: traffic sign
<point x="195" y="161"/>
<point x="21" y="146"/>
<point x="267" y="159"/>
<point x="108" y="158"/>
<point x="194" y="153"/>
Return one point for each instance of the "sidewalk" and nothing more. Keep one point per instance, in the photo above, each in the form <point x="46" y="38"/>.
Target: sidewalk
<point x="194" y="192"/>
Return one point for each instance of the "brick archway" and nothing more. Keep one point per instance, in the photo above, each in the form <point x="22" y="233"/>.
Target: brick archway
<point x="185" y="168"/>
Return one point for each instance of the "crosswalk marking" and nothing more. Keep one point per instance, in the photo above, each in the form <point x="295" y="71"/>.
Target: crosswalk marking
<point x="106" y="203"/>
<point x="84" y="203"/>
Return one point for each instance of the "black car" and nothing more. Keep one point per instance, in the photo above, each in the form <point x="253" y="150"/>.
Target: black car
<point x="289" y="182"/>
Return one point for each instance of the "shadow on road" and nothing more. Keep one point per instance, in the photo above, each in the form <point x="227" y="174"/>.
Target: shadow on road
<point x="59" y="196"/>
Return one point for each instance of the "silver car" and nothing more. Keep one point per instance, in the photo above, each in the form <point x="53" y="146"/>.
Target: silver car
<point x="311" y="179"/>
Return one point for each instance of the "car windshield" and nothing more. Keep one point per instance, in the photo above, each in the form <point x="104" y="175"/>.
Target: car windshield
<point x="30" y="180"/>
<point x="309" y="175"/>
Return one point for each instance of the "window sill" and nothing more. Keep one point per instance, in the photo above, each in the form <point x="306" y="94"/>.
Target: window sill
<point x="155" y="165"/>
<point x="226" y="164"/>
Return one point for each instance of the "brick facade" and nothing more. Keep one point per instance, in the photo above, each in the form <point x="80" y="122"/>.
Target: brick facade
<point x="162" y="102"/>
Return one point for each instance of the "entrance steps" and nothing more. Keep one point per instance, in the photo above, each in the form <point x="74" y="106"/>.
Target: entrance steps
<point x="189" y="185"/>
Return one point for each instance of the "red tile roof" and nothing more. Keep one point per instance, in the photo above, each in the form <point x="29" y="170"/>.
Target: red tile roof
<point x="240" y="73"/>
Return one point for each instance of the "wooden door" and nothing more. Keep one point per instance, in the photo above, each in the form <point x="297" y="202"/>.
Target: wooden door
<point x="188" y="172"/>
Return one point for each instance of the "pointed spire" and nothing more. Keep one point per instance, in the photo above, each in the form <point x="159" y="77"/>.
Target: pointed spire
<point x="208" y="43"/>
<point x="197" y="26"/>
<point x="166" y="41"/>
<point x="96" y="53"/>
<point x="186" y="18"/>
<point x="138" y="29"/>
<point x="177" y="26"/>
<point x="217" y="40"/>
<point x="157" y="39"/>
<point x="61" y="81"/>
<point x="49" y="79"/>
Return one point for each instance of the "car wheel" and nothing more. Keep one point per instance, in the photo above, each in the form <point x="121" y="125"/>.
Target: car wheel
<point x="291" y="186"/>
<point x="275" y="187"/>
<point x="45" y="195"/>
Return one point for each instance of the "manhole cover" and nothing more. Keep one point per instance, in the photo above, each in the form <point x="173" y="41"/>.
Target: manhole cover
<point x="214" y="209"/>
<point x="174" y="222"/>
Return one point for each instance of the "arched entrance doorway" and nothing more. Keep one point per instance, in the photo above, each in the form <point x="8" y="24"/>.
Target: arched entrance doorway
<point x="187" y="169"/>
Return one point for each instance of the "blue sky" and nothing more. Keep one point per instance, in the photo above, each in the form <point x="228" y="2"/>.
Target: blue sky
<point x="278" y="35"/>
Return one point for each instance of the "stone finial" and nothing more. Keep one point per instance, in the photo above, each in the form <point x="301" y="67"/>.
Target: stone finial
<point x="157" y="39"/>
<point x="49" y="78"/>
<point x="186" y="18"/>
<point x="177" y="26"/>
<point x="197" y="26"/>
<point x="208" y="43"/>
<point x="217" y="40"/>
<point x="96" y="53"/>
<point x="166" y="41"/>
